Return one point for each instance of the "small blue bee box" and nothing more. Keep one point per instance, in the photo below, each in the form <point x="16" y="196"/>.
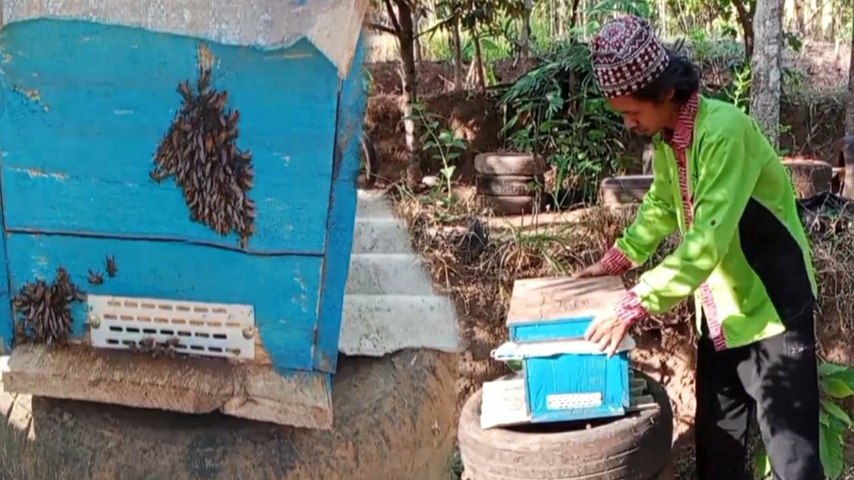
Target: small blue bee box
<point x="563" y="377"/>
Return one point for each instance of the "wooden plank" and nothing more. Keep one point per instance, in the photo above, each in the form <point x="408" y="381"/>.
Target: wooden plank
<point x="555" y="298"/>
<point x="299" y="399"/>
<point x="75" y="205"/>
<point x="86" y="106"/>
<point x="342" y="213"/>
<point x="284" y="290"/>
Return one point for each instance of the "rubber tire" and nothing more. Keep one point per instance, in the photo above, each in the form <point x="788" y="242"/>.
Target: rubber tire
<point x="509" y="163"/>
<point x="634" y="447"/>
<point x="509" y="185"/>
<point x="624" y="190"/>
<point x="394" y="419"/>
<point x="510" y="204"/>
<point x="810" y="177"/>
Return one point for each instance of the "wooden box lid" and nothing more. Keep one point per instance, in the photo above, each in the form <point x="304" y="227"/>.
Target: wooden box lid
<point x="562" y="298"/>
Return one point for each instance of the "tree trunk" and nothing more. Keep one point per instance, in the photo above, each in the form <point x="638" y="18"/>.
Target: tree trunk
<point x="525" y="41"/>
<point x="766" y="77"/>
<point x="799" y="17"/>
<point x="479" y="72"/>
<point x="849" y="110"/>
<point x="847" y="144"/>
<point x="403" y="23"/>
<point x="457" y="45"/>
<point x="746" y="18"/>
<point x="416" y="22"/>
<point x="573" y="15"/>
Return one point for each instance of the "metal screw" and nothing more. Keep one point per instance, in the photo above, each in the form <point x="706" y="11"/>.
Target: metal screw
<point x="94" y="321"/>
<point x="248" y="332"/>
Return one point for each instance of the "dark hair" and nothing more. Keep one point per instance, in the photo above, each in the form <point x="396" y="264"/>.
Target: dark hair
<point x="681" y="76"/>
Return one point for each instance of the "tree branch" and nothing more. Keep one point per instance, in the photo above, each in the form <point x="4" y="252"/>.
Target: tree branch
<point x="393" y="17"/>
<point x="382" y="28"/>
<point x="435" y="27"/>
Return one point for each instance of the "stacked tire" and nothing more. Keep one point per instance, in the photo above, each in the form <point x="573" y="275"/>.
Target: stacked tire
<point x="810" y="177"/>
<point x="624" y="190"/>
<point x="634" y="447"/>
<point x="510" y="183"/>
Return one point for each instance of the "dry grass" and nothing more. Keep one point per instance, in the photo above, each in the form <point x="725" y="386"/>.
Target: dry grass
<point x="476" y="266"/>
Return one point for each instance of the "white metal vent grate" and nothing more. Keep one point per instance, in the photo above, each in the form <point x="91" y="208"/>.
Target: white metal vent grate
<point x="571" y="401"/>
<point x="205" y="329"/>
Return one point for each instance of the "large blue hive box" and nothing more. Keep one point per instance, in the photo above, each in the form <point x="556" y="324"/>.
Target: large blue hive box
<point x="237" y="253"/>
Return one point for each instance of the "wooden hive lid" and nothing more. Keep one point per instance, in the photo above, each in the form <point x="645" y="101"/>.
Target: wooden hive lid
<point x="562" y="298"/>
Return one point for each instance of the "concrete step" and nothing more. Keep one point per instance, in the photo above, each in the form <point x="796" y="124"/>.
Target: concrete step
<point x="388" y="274"/>
<point x="375" y="325"/>
<point x="375" y="235"/>
<point x="373" y="204"/>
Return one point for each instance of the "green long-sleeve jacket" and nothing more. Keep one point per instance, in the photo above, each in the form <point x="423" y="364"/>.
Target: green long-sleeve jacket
<point x="744" y="254"/>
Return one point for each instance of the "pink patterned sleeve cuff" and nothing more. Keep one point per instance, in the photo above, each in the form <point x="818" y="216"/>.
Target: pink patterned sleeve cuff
<point x="616" y="262"/>
<point x="629" y="309"/>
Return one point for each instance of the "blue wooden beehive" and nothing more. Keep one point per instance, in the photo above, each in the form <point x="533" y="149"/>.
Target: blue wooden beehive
<point x="565" y="377"/>
<point x="89" y="92"/>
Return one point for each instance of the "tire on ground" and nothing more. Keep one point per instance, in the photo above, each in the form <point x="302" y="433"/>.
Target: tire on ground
<point x="511" y="205"/>
<point x="509" y="185"/>
<point x="810" y="177"/>
<point x="394" y="419"/>
<point x="635" y="447"/>
<point x="509" y="163"/>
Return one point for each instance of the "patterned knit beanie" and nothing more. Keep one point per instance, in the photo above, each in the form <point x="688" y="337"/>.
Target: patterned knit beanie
<point x="627" y="56"/>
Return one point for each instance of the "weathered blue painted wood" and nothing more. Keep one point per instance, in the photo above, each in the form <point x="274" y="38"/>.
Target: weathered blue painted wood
<point x="550" y="330"/>
<point x="558" y="386"/>
<point x="283" y="289"/>
<point x="342" y="213"/>
<point x="6" y="322"/>
<point x="88" y="104"/>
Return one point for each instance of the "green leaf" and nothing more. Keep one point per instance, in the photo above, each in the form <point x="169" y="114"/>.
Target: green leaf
<point x="836" y="388"/>
<point x="826" y="369"/>
<point x="836" y="411"/>
<point x="846" y="376"/>
<point x="831" y="450"/>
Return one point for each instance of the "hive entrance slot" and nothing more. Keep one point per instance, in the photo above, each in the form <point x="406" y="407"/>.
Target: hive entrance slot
<point x="189" y="327"/>
<point x="571" y="401"/>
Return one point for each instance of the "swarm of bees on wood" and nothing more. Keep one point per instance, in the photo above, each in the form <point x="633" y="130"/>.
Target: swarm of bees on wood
<point x="150" y="346"/>
<point x="44" y="310"/>
<point x="200" y="152"/>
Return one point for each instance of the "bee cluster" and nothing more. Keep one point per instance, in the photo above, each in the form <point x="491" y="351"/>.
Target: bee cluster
<point x="44" y="310"/>
<point x="150" y="346"/>
<point x="200" y="152"/>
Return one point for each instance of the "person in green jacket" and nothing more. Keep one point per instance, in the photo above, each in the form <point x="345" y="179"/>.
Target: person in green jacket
<point x="744" y="257"/>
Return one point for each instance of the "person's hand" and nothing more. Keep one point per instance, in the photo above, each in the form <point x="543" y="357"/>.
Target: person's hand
<point x="596" y="270"/>
<point x="607" y="332"/>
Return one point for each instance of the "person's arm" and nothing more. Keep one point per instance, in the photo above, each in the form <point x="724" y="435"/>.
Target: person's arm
<point x="726" y="180"/>
<point x="655" y="220"/>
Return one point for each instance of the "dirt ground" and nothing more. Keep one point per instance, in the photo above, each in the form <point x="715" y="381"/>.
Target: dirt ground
<point x="666" y="346"/>
<point x="666" y="352"/>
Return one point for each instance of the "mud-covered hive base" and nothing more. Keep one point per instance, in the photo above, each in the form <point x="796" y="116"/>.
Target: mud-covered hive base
<point x="394" y="419"/>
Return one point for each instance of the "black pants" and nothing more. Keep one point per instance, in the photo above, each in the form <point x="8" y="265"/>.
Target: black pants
<point x="777" y="379"/>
